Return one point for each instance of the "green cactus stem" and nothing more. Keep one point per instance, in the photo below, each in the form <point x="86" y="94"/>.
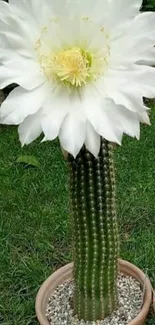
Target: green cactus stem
<point x="95" y="232"/>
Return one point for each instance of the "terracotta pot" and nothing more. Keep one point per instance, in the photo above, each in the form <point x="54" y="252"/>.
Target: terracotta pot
<point x="65" y="273"/>
<point x="154" y="301"/>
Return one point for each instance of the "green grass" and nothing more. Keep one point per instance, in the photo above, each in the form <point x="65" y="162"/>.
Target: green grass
<point x="35" y="238"/>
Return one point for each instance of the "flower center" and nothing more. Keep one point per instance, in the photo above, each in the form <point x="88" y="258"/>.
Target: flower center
<point x="72" y="66"/>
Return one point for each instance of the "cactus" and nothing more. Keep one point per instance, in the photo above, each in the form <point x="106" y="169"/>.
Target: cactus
<point x="95" y="233"/>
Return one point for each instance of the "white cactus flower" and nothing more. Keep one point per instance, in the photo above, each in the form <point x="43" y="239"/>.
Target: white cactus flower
<point x="81" y="68"/>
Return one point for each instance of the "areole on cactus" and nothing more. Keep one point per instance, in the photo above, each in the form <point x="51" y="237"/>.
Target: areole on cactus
<point x="82" y="70"/>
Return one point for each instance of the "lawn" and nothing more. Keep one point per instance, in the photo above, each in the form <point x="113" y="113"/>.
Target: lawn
<point x="35" y="236"/>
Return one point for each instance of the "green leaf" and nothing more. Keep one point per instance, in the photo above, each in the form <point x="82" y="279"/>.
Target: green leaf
<point x="28" y="161"/>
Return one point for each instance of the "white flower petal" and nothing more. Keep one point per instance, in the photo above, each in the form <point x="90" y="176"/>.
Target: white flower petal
<point x="147" y="57"/>
<point x="127" y="98"/>
<point x="137" y="40"/>
<point x="21" y="35"/>
<point x="102" y="124"/>
<point x="127" y="121"/>
<point x="25" y="73"/>
<point x="143" y="25"/>
<point x="128" y="86"/>
<point x="26" y="6"/>
<point x="144" y="118"/>
<point x="119" y="118"/>
<point x="55" y="110"/>
<point x="21" y="103"/>
<point x="30" y="129"/>
<point x="121" y="9"/>
<point x="4" y="8"/>
<point x="94" y="10"/>
<point x="6" y="52"/>
<point x="120" y="15"/>
<point x="72" y="134"/>
<point x="37" y="12"/>
<point x="93" y="140"/>
<point x="94" y="103"/>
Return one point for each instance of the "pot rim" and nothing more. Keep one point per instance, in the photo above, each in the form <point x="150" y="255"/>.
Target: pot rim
<point x="154" y="300"/>
<point x="65" y="273"/>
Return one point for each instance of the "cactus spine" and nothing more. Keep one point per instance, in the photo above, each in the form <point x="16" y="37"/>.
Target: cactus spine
<point x="95" y="233"/>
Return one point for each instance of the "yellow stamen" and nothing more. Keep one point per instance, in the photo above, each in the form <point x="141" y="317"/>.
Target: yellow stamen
<point x="72" y="66"/>
<point x="85" y="18"/>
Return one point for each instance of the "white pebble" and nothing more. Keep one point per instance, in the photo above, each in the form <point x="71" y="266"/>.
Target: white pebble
<point x="59" y="310"/>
